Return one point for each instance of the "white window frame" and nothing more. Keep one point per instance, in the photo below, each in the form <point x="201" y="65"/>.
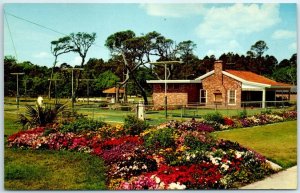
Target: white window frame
<point x="201" y="97"/>
<point x="228" y="94"/>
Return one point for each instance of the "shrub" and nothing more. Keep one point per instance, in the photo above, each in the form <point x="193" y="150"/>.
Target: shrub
<point x="40" y="115"/>
<point x="162" y="138"/>
<point x="81" y="124"/>
<point x="242" y="114"/>
<point x="134" y="126"/>
<point x="217" y="117"/>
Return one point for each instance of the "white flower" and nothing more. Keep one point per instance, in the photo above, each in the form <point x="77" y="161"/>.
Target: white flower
<point x="162" y="185"/>
<point x="157" y="179"/>
<point x="225" y="167"/>
<point x="174" y="186"/>
<point x="40" y="101"/>
<point x="135" y="167"/>
<point x="144" y="167"/>
<point x="188" y="158"/>
<point x="238" y="154"/>
<point x="193" y="155"/>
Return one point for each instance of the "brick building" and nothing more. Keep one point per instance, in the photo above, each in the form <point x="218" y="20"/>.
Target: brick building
<point x="224" y="88"/>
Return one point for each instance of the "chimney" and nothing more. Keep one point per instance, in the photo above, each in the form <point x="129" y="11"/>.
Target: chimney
<point x="218" y="67"/>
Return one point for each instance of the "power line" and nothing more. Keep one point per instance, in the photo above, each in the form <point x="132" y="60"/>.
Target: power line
<point x="10" y="35"/>
<point x="42" y="26"/>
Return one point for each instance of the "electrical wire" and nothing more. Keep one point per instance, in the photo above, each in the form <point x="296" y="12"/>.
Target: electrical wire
<point x="42" y="26"/>
<point x="11" y="36"/>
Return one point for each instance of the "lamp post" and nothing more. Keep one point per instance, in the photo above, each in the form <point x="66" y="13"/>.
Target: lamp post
<point x="165" y="63"/>
<point x="17" y="74"/>
<point x="73" y="94"/>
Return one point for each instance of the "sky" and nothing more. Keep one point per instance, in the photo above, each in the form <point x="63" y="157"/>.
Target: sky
<point x="215" y="28"/>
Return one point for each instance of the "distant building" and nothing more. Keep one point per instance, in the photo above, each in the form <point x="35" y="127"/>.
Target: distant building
<point x="224" y="88"/>
<point x="111" y="93"/>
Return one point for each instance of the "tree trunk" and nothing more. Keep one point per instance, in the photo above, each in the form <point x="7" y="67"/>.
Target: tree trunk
<point x="51" y="77"/>
<point x="130" y="72"/>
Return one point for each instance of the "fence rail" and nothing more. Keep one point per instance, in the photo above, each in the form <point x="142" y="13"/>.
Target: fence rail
<point x="115" y="113"/>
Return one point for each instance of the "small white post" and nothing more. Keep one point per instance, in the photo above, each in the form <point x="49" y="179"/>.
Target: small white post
<point x="141" y="110"/>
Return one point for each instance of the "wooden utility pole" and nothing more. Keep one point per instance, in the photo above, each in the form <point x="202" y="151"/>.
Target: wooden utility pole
<point x="55" y="92"/>
<point x="18" y="96"/>
<point x="87" y="87"/>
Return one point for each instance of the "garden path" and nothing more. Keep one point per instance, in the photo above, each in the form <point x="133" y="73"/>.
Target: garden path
<point x="286" y="179"/>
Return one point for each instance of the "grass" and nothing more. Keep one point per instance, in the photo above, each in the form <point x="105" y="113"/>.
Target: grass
<point x="52" y="170"/>
<point x="48" y="170"/>
<point x="277" y="142"/>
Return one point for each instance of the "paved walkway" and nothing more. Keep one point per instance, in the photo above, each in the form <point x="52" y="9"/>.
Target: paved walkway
<point x="283" y="180"/>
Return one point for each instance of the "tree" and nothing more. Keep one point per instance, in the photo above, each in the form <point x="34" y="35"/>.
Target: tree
<point x="82" y="42"/>
<point x="106" y="80"/>
<point x="286" y="74"/>
<point x="259" y="48"/>
<point x="59" y="47"/>
<point x="136" y="52"/>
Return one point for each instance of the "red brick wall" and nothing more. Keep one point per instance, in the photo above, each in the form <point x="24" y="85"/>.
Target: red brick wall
<point x="173" y="99"/>
<point x="178" y="94"/>
<point x="218" y="82"/>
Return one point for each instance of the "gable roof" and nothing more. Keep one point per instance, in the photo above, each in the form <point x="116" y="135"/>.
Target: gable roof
<point x="255" y="78"/>
<point x="249" y="78"/>
<point x="113" y="90"/>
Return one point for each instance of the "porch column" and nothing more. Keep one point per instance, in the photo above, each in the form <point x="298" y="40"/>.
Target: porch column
<point x="263" y="98"/>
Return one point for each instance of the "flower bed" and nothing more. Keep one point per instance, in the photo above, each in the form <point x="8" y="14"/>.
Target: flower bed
<point x="176" y="155"/>
<point x="259" y="119"/>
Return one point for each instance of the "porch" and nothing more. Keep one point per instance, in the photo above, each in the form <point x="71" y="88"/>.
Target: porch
<point x="265" y="97"/>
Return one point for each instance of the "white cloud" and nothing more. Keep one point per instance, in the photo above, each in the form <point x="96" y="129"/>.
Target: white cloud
<point x="283" y="34"/>
<point x="223" y="23"/>
<point x="293" y="47"/>
<point x="173" y="10"/>
<point x="224" y="48"/>
<point x="76" y="61"/>
<point x="42" y="55"/>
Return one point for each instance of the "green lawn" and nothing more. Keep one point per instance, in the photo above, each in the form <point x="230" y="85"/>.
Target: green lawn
<point x="48" y="170"/>
<point x="52" y="170"/>
<point x="278" y="142"/>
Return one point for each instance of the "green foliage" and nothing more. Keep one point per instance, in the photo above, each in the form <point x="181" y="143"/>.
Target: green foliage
<point x="243" y="114"/>
<point x="41" y="116"/>
<point x="81" y="124"/>
<point x="216" y="117"/>
<point x="106" y="79"/>
<point x="259" y="47"/>
<point x="162" y="138"/>
<point x="195" y="144"/>
<point x="266" y="111"/>
<point x="286" y="74"/>
<point x="134" y="126"/>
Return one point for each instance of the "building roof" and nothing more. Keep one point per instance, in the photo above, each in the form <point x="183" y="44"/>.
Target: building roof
<point x="252" y="77"/>
<point x="113" y="90"/>
<point x="172" y="81"/>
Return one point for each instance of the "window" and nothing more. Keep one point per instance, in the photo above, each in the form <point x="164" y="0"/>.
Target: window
<point x="231" y="97"/>
<point x="202" y="96"/>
